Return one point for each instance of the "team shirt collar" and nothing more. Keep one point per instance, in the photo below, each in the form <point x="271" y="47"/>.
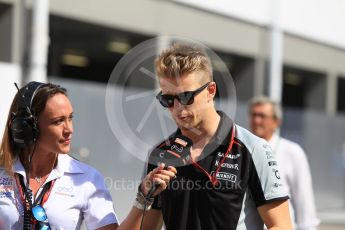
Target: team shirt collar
<point x="224" y="127"/>
<point x="65" y="164"/>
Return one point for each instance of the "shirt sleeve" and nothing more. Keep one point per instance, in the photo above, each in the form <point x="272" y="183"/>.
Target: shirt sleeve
<point x="265" y="182"/>
<point x="99" y="209"/>
<point x="301" y="189"/>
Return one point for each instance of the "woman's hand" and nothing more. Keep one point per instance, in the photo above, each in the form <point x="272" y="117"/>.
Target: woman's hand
<point x="160" y="176"/>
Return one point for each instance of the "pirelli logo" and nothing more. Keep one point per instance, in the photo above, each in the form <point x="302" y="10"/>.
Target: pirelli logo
<point x="226" y="176"/>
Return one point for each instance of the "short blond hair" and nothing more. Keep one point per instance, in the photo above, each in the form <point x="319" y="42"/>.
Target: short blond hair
<point x="180" y="59"/>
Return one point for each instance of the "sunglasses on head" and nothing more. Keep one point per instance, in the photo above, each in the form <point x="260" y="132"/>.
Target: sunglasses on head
<point x="185" y="98"/>
<point x="41" y="218"/>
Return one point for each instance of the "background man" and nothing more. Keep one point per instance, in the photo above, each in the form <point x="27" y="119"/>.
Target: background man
<point x="265" y="119"/>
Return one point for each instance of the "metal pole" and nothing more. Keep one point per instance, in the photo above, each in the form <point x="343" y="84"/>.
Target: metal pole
<point x="39" y="41"/>
<point x="331" y="93"/>
<point x="276" y="54"/>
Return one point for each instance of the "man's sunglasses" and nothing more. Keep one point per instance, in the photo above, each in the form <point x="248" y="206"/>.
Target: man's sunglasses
<point x="185" y="98"/>
<point x="41" y="218"/>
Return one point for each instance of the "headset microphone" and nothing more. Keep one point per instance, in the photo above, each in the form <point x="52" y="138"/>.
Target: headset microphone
<point x="174" y="152"/>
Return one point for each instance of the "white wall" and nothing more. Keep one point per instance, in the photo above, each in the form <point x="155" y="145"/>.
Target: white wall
<point x="320" y="20"/>
<point x="9" y="73"/>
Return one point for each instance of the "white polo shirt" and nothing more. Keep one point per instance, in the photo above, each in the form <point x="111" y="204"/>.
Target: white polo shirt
<point x="79" y="194"/>
<point x="296" y="175"/>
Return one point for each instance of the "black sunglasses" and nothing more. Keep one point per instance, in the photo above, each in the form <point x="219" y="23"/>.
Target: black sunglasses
<point x="185" y="98"/>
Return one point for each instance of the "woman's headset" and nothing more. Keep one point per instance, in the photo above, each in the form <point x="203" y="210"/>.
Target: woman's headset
<point x="23" y="127"/>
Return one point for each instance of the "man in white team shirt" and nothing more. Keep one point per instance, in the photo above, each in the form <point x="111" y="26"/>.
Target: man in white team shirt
<point x="265" y="119"/>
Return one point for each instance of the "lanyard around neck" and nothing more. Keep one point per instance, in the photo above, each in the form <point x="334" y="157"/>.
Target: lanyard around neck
<point x="25" y="197"/>
<point x="213" y="178"/>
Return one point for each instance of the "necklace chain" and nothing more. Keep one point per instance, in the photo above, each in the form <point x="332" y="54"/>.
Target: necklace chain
<point x="38" y="179"/>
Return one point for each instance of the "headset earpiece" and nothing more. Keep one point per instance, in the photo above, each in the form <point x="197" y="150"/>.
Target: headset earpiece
<point x="23" y="127"/>
<point x="22" y="132"/>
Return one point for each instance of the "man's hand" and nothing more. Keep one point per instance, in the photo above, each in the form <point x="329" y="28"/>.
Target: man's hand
<point x="160" y="176"/>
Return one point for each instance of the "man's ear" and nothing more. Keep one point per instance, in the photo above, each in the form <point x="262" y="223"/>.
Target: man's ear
<point x="278" y="123"/>
<point x="212" y="89"/>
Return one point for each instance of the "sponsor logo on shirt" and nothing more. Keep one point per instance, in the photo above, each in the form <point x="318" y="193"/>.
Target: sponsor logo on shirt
<point x="269" y="155"/>
<point x="276" y="173"/>
<point x="6" y="187"/>
<point x="6" y="193"/>
<point x="272" y="163"/>
<point x="277" y="185"/>
<point x="65" y="191"/>
<point x="6" y="181"/>
<point x="226" y="176"/>
<point x="227" y="165"/>
<point x="230" y="156"/>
